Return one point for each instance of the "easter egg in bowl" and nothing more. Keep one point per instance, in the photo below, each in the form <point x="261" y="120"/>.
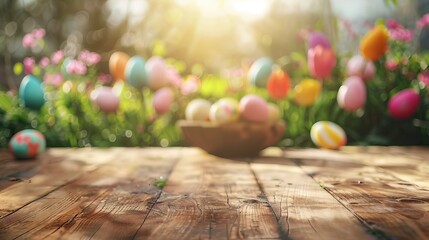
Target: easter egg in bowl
<point x="224" y="110"/>
<point x="235" y="140"/>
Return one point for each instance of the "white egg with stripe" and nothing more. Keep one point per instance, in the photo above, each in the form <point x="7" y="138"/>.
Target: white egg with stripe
<point x="327" y="134"/>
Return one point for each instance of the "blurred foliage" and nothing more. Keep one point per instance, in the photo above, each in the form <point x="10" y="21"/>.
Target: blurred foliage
<point x="69" y="118"/>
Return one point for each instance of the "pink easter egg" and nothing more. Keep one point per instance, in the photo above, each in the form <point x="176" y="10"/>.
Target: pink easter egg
<point x="158" y="72"/>
<point x="404" y="104"/>
<point x="162" y="100"/>
<point x="358" y="66"/>
<point x="254" y="109"/>
<point x="105" y="99"/>
<point x="352" y="94"/>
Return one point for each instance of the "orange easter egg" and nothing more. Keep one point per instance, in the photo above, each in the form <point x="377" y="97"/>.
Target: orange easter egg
<point x="117" y="63"/>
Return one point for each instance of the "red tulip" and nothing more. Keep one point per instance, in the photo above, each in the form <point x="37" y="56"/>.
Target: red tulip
<point x="321" y="61"/>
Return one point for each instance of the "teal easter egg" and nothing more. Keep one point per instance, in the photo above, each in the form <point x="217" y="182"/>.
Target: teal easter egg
<point x="135" y="72"/>
<point x="260" y="71"/>
<point x="27" y="144"/>
<point x="31" y="92"/>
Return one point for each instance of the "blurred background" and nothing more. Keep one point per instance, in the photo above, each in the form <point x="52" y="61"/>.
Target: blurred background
<point x="203" y="35"/>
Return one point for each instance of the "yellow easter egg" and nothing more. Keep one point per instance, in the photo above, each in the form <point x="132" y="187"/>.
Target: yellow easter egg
<point x="306" y="92"/>
<point x="327" y="134"/>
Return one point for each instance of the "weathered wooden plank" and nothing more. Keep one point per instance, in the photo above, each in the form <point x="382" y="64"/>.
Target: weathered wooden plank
<point x="209" y="197"/>
<point x="55" y="168"/>
<point x="407" y="163"/>
<point x="304" y="209"/>
<point x="108" y="203"/>
<point x="5" y="156"/>
<point x="378" y="198"/>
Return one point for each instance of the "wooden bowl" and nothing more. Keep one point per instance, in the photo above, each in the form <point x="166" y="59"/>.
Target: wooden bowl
<point x="239" y="139"/>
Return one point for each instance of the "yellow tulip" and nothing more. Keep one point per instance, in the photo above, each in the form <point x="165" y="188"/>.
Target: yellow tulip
<point x="306" y="92"/>
<point x="374" y="44"/>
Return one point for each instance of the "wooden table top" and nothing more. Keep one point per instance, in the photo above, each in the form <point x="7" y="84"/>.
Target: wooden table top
<point x="116" y="193"/>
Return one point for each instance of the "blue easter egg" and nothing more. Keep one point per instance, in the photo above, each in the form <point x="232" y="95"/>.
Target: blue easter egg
<point x="135" y="72"/>
<point x="27" y="144"/>
<point x="260" y="71"/>
<point x="31" y="92"/>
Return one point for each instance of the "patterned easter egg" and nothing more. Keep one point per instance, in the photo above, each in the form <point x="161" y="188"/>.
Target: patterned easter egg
<point x="224" y="111"/>
<point x="31" y="92"/>
<point x="327" y="134"/>
<point x="27" y="144"/>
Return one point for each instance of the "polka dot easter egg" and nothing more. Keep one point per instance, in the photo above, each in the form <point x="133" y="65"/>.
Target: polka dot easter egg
<point x="327" y="134"/>
<point x="224" y="111"/>
<point x="27" y="144"/>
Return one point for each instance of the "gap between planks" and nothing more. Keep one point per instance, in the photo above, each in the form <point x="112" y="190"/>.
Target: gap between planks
<point x="304" y="210"/>
<point x="380" y="198"/>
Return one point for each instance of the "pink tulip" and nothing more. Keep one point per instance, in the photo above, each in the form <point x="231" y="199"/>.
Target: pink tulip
<point x="29" y="65"/>
<point x="401" y="34"/>
<point x="28" y="41"/>
<point x="393" y="24"/>
<point x="57" y="57"/>
<point x="38" y="33"/>
<point x="424" y="21"/>
<point x="89" y="58"/>
<point x="44" y="62"/>
<point x="321" y="61"/>
<point x="424" y="78"/>
<point x="54" y="79"/>
<point x="391" y="64"/>
<point x="76" y="67"/>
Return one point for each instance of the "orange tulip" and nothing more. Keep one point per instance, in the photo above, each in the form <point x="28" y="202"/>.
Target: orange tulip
<point x="278" y="85"/>
<point x="374" y="44"/>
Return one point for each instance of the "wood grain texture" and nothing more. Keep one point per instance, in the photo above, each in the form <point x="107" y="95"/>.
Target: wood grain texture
<point x="292" y="194"/>
<point x="379" y="198"/>
<point x="54" y="169"/>
<point x="208" y="197"/>
<point x="108" y="203"/>
<point x="303" y="208"/>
